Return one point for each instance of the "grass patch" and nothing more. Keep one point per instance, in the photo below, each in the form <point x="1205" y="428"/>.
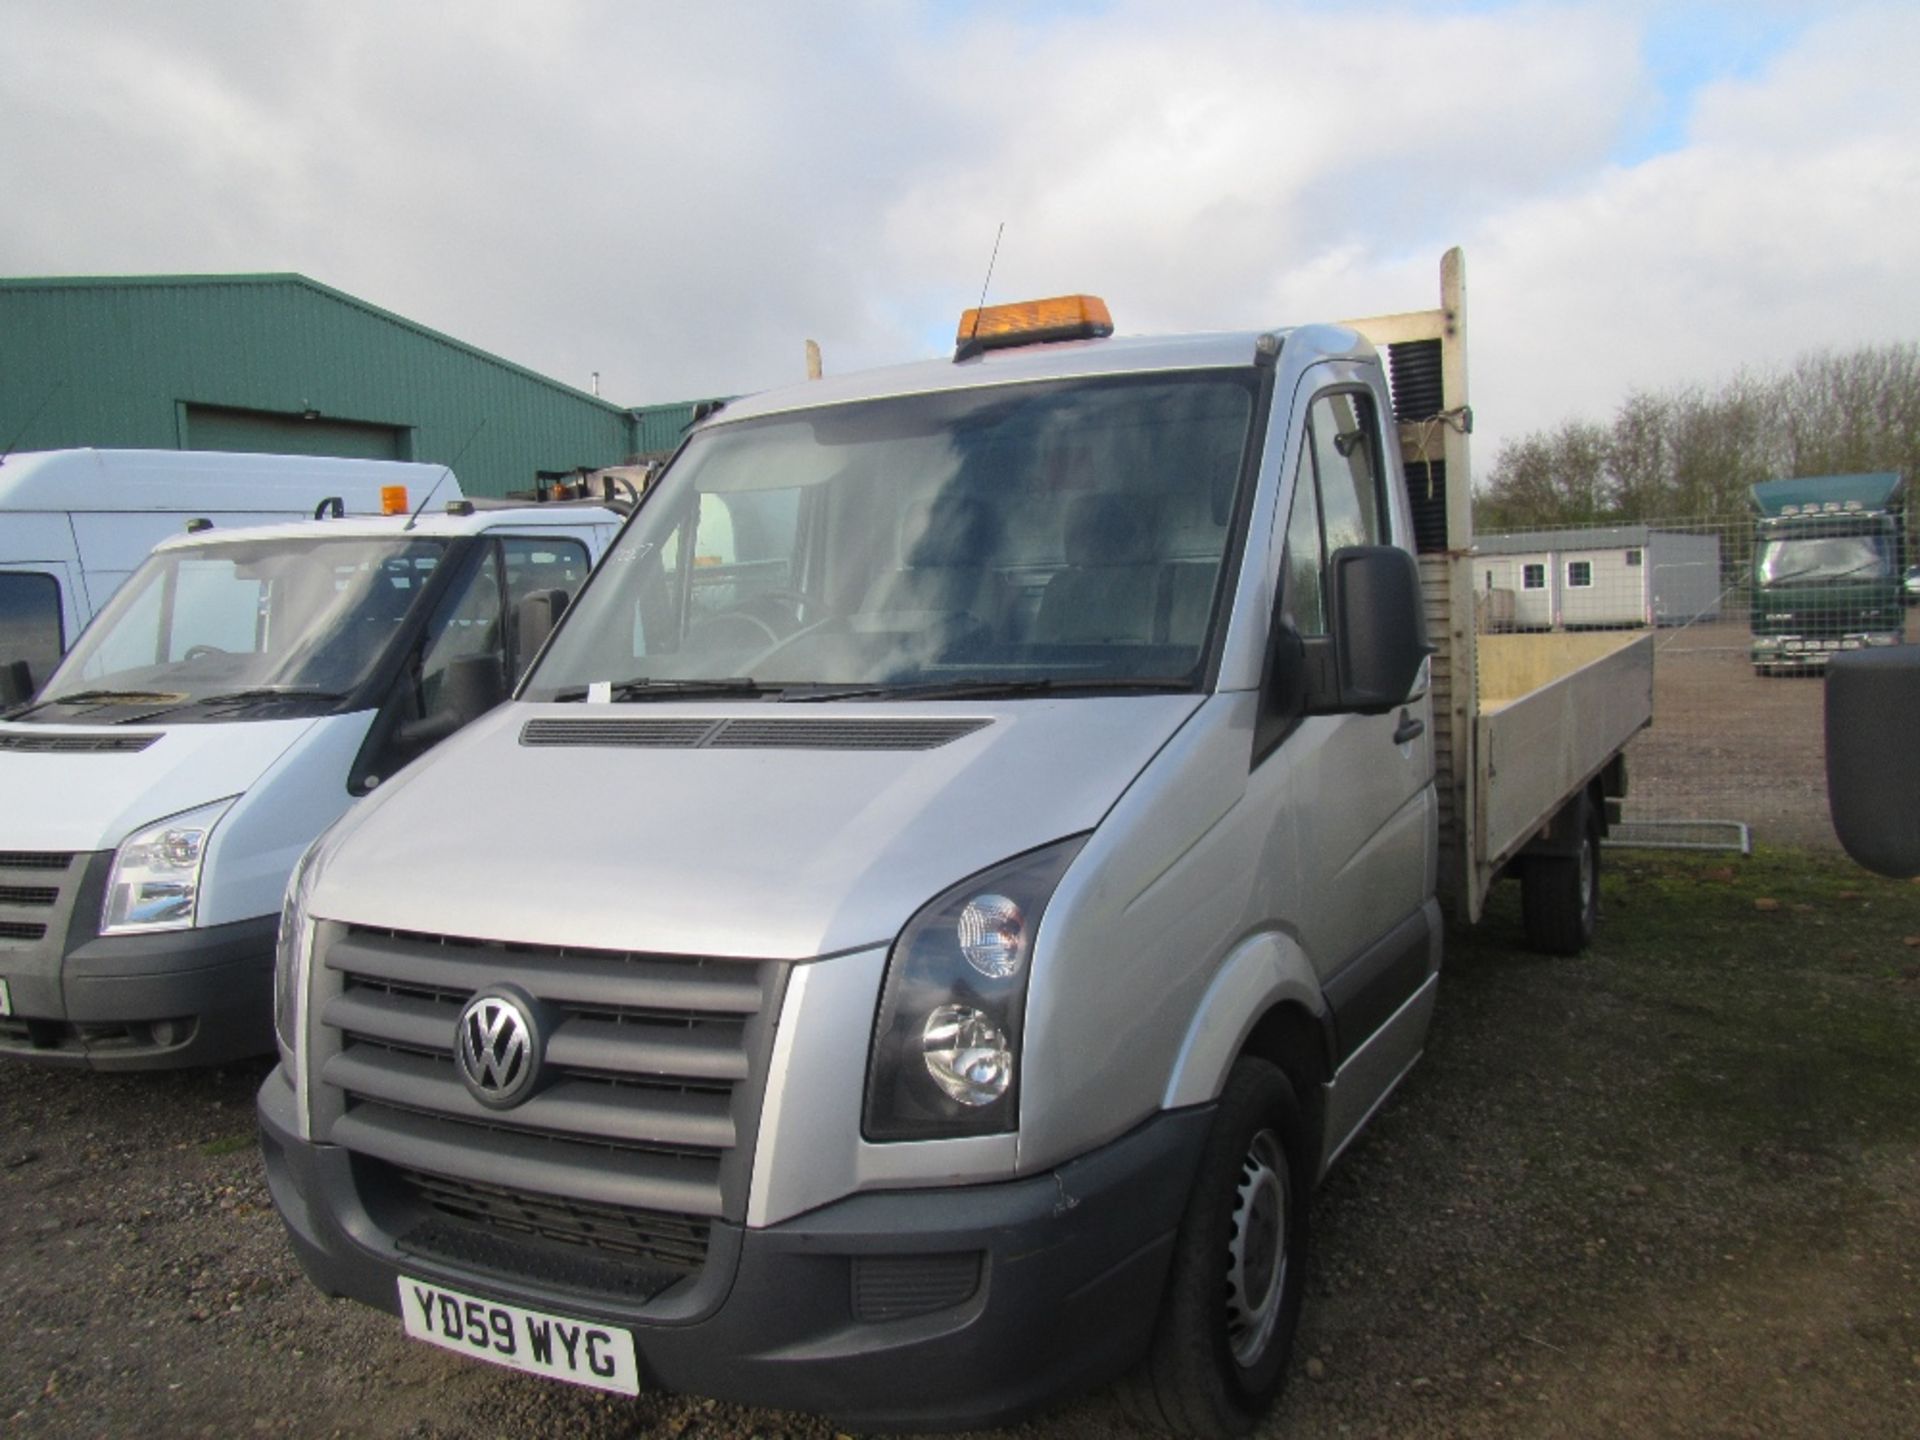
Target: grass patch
<point x="1767" y="1006"/>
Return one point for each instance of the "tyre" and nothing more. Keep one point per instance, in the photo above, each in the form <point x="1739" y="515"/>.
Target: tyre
<point x="1233" y="1295"/>
<point x="1560" y="894"/>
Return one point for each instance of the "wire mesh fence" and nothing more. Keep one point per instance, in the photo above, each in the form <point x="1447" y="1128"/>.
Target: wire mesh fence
<point x="1743" y="615"/>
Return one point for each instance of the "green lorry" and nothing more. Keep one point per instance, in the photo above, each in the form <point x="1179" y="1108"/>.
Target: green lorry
<point x="1828" y="568"/>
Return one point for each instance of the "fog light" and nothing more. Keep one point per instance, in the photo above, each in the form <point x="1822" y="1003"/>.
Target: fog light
<point x="967" y="1055"/>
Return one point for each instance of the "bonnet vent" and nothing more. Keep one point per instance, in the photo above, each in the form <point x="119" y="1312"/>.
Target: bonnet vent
<point x="113" y="744"/>
<point x="669" y="734"/>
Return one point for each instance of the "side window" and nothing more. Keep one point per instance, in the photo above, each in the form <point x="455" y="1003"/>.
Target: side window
<point x="536" y="568"/>
<point x="1305" y="579"/>
<point x="1338" y="500"/>
<point x="1579" y="574"/>
<point x="1533" y="577"/>
<point x="30" y="622"/>
<point x="1345" y="453"/>
<point x="466" y="627"/>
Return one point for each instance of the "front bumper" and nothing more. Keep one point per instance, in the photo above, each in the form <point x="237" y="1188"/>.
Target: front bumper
<point x="144" y="1002"/>
<point x="852" y="1310"/>
<point x="1811" y="652"/>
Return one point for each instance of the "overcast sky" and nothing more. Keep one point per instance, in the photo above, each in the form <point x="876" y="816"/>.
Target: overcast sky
<point x="677" y="196"/>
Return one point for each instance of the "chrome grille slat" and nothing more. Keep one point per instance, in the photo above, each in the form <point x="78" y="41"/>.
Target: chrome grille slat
<point x="656" y="1118"/>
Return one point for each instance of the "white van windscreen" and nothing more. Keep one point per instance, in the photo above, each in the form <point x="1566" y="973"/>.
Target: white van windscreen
<point x="1067" y="534"/>
<point x="304" y="618"/>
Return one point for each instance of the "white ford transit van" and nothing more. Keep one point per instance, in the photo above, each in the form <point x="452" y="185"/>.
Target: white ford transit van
<point x="231" y="700"/>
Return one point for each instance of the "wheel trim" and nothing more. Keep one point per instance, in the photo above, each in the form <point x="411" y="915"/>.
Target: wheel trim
<point x="1257" y="1250"/>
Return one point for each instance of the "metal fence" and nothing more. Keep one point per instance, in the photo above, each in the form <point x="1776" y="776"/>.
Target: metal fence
<point x="1743" y="617"/>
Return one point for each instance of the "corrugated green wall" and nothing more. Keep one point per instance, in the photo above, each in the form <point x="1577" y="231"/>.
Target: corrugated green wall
<point x="118" y="362"/>
<point x="659" y="429"/>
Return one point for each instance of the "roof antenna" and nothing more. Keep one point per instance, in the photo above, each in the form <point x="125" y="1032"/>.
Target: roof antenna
<point x="970" y="347"/>
<point x="19" y="434"/>
<point x="445" y="471"/>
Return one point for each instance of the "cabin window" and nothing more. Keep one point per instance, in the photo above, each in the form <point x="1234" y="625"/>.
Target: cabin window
<point x="1579" y="574"/>
<point x="30" y="622"/>
<point x="1533" y="577"/>
<point x="1633" y="557"/>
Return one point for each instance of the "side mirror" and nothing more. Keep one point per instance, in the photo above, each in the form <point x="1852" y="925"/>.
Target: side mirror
<point x="534" y="619"/>
<point x="16" y="683"/>
<point x="469" y="688"/>
<point x="1873" y="766"/>
<point x="1379" y="636"/>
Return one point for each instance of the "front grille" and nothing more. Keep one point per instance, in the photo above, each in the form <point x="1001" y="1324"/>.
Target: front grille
<point x="676" y="1242"/>
<point x="35" y="860"/>
<point x="38" y="890"/>
<point x="640" y="1132"/>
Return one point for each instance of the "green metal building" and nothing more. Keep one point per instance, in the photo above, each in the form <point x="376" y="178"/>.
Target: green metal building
<point x="285" y="365"/>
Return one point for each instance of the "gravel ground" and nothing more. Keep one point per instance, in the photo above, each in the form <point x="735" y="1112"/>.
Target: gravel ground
<point x="1670" y="1189"/>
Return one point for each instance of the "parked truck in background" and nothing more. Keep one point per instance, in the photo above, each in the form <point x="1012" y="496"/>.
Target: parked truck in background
<point x="75" y="523"/>
<point x="926" y="949"/>
<point x="235" y="695"/>
<point x="1829" y="568"/>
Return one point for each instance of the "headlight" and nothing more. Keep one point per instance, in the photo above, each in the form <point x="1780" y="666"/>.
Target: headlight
<point x="946" y="1043"/>
<point x="155" y="882"/>
<point x="291" y="954"/>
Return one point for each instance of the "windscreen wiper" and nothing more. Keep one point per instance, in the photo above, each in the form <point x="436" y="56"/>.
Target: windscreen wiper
<point x="997" y="689"/>
<point x="260" y="694"/>
<point x="643" y="687"/>
<point x="101" y="697"/>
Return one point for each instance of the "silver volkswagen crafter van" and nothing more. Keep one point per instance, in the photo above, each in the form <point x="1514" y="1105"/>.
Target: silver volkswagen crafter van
<point x="956" y="878"/>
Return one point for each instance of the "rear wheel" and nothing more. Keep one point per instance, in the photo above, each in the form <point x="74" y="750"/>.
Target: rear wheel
<point x="1560" y="894"/>
<point x="1233" y="1298"/>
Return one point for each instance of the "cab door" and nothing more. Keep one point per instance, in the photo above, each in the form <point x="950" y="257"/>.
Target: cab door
<point x="1356" y="815"/>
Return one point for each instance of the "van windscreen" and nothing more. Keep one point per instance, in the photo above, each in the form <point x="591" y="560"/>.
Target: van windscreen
<point x="302" y="617"/>
<point x="1066" y="534"/>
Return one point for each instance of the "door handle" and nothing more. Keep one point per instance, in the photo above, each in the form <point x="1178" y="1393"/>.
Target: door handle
<point x="1411" y="728"/>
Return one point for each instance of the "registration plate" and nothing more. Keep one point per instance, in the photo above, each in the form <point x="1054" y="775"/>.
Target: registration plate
<point x="6" y="999"/>
<point x="580" y="1351"/>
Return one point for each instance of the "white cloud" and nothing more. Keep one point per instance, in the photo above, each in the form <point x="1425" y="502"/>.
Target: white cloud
<point x="676" y="196"/>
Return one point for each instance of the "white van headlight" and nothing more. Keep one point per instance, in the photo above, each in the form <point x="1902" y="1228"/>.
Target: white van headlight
<point x="155" y="881"/>
<point x="946" y="1043"/>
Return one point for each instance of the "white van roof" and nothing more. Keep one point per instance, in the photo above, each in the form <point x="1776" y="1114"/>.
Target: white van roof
<point x="207" y="482"/>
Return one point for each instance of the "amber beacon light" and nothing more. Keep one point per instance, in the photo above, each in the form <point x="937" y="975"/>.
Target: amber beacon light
<point x="1032" y="322"/>
<point x="393" y="499"/>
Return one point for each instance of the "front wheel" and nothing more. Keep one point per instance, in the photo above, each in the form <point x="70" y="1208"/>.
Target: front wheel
<point x="1233" y="1297"/>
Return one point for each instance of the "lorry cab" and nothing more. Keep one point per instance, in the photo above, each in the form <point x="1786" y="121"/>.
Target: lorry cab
<point x="78" y="522"/>
<point x="958" y="875"/>
<point x="1829" y="557"/>
<point x="232" y="698"/>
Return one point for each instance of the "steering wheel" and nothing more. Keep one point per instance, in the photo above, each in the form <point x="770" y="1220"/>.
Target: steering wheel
<point x="202" y="652"/>
<point x="797" y="600"/>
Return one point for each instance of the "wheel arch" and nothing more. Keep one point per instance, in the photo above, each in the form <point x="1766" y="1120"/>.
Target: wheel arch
<point x="1264" y="1001"/>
